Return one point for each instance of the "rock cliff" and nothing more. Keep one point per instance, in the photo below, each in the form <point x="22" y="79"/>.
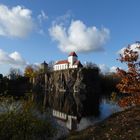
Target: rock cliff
<point x="74" y="91"/>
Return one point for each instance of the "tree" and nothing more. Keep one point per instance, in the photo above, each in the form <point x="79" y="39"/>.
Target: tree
<point x="30" y="71"/>
<point x="1" y="83"/>
<point x="130" y="78"/>
<point x="50" y="65"/>
<point x="90" y="65"/>
<point x="15" y="73"/>
<point x="1" y="76"/>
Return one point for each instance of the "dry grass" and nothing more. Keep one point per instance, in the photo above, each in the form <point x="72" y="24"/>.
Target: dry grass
<point x="120" y="126"/>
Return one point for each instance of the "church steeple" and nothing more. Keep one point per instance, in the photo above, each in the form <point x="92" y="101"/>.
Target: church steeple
<point x="44" y="66"/>
<point x="72" y="58"/>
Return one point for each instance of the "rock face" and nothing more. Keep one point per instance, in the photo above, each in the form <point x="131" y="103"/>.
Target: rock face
<point x="74" y="91"/>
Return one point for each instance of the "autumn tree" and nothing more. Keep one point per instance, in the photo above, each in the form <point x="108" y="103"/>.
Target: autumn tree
<point x="130" y="78"/>
<point x="30" y="71"/>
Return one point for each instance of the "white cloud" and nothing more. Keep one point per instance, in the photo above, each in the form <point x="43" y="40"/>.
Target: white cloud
<point x="17" y="58"/>
<point x="121" y="50"/>
<point x="133" y="47"/>
<point x="15" y="21"/>
<point x="63" y="19"/>
<point x="105" y="69"/>
<point x="113" y="69"/>
<point x="42" y="16"/>
<point x="78" y="37"/>
<point x="13" y="59"/>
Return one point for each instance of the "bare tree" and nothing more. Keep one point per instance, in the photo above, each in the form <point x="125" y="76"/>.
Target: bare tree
<point x="14" y="73"/>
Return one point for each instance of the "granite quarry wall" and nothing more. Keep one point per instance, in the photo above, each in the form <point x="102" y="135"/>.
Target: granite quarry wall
<point x="74" y="91"/>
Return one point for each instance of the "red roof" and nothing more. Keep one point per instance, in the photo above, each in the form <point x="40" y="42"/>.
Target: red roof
<point x="62" y="62"/>
<point x="73" y="54"/>
<point x="78" y="63"/>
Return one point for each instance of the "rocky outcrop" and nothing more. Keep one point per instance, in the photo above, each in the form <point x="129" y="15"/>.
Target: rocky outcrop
<point x="74" y="91"/>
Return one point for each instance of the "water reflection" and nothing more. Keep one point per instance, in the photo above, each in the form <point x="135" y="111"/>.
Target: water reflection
<point x="107" y="108"/>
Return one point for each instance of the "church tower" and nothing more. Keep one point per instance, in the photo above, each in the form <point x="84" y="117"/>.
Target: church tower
<point x="72" y="58"/>
<point x="44" y="67"/>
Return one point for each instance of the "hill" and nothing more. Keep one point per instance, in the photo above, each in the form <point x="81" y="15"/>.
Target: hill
<point x="119" y="126"/>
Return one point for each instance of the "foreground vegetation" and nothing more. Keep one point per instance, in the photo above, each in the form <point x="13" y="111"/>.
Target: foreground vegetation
<point x="119" y="126"/>
<point x="21" y="121"/>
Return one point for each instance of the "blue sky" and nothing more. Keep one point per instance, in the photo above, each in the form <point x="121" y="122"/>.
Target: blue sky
<point x="35" y="34"/>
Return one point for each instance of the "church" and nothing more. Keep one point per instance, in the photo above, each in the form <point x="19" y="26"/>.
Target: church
<point x="71" y="63"/>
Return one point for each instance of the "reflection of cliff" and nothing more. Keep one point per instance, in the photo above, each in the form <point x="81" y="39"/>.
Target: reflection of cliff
<point x="74" y="91"/>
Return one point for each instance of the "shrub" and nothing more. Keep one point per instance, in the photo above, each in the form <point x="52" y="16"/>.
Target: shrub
<point x="23" y="124"/>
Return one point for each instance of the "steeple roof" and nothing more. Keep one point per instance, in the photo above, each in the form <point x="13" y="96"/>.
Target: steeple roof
<point x="73" y="54"/>
<point x="44" y="63"/>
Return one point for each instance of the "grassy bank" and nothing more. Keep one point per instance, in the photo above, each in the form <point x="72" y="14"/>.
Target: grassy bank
<point x="119" y="126"/>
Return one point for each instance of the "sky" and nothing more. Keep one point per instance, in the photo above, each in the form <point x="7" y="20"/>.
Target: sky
<point x="32" y="31"/>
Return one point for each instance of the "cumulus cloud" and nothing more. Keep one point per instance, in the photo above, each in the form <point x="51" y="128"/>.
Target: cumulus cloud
<point x="105" y="69"/>
<point x="133" y="47"/>
<point x="15" y="21"/>
<point x="14" y="59"/>
<point x="78" y="37"/>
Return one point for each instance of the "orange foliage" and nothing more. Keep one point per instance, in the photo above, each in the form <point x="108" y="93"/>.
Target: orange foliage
<point x="130" y="79"/>
<point x="30" y="71"/>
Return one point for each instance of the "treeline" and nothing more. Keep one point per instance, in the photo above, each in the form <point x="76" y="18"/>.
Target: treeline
<point x="107" y="81"/>
<point x="18" y="86"/>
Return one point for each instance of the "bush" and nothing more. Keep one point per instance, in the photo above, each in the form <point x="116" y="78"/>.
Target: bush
<point x="23" y="124"/>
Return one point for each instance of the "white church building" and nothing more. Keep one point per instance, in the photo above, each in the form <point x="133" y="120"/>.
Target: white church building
<point x="71" y="62"/>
